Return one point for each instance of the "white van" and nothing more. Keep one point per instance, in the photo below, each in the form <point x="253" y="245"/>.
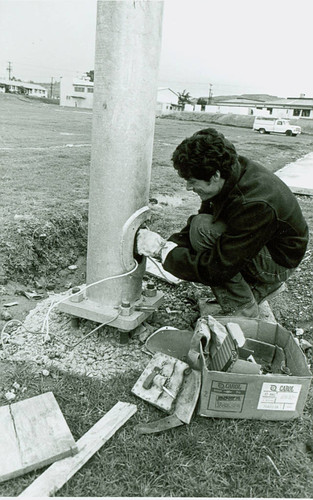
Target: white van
<point x="267" y="125"/>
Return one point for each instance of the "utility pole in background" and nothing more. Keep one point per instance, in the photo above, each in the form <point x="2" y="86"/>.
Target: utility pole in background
<point x="51" y="87"/>
<point x="210" y="93"/>
<point x="9" y="69"/>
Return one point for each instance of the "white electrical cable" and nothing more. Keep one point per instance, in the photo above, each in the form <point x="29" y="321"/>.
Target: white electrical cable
<point x="45" y="324"/>
<point x="160" y="268"/>
<point x="54" y="304"/>
<point x="40" y="333"/>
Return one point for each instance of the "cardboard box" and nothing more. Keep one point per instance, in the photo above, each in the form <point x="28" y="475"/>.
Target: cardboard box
<point x="254" y="396"/>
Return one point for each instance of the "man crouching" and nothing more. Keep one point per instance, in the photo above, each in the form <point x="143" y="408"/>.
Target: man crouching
<point x="249" y="235"/>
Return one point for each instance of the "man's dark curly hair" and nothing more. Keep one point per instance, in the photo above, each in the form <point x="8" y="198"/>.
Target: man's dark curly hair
<point x="202" y="154"/>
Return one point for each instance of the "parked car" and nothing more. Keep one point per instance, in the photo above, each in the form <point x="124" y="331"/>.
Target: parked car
<point x="267" y="125"/>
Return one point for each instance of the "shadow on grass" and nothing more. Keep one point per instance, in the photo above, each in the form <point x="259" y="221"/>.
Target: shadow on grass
<point x="208" y="458"/>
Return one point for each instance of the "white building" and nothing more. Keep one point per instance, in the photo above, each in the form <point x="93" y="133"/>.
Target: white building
<point x="194" y="108"/>
<point x="76" y="92"/>
<point x="290" y="108"/>
<point x="25" y="88"/>
<point x="237" y="106"/>
<point x="167" y="101"/>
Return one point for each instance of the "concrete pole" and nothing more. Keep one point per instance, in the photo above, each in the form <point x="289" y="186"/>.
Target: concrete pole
<point x="128" y="44"/>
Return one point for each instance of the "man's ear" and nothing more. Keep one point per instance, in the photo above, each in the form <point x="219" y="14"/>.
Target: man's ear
<point x="217" y="175"/>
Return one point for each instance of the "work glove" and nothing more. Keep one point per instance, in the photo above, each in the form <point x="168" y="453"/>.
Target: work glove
<point x="149" y="243"/>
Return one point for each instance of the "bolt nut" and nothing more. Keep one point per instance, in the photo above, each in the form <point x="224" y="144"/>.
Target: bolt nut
<point x="150" y="290"/>
<point x="125" y="308"/>
<point x="76" y="298"/>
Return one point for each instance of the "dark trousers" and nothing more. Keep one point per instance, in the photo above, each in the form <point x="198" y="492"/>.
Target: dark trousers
<point x="256" y="279"/>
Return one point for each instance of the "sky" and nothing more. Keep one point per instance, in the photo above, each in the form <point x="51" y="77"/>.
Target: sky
<point x="236" y="46"/>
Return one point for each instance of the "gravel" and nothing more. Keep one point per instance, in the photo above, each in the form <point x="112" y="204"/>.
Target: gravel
<point x="100" y="355"/>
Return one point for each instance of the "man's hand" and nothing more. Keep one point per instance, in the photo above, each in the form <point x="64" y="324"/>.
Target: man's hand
<point x="149" y="243"/>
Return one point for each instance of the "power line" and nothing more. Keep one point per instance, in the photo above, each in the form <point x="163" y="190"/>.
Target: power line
<point x="34" y="72"/>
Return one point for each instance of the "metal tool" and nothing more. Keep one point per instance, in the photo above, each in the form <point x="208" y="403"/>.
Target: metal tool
<point x="168" y="392"/>
<point x="145" y="308"/>
<point x="149" y="380"/>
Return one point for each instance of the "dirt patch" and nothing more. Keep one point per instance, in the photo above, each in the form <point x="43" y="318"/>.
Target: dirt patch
<point x="68" y="348"/>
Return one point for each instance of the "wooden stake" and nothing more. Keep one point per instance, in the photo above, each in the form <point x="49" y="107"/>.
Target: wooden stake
<point x="60" y="472"/>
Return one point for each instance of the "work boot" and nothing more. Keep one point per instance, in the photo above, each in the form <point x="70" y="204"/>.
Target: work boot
<point x="250" y="310"/>
<point x="209" y="307"/>
<point x="267" y="291"/>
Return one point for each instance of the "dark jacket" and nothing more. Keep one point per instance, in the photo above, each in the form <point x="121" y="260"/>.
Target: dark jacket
<point x="259" y="210"/>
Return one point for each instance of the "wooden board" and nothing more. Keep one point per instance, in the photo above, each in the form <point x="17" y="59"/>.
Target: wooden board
<point x="33" y="433"/>
<point x="60" y="472"/>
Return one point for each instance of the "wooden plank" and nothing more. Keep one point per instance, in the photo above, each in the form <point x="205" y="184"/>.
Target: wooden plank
<point x="33" y="433"/>
<point x="10" y="458"/>
<point x="60" y="472"/>
<point x="42" y="430"/>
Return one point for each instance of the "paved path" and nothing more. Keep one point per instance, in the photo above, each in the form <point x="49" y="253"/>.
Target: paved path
<point x="299" y="175"/>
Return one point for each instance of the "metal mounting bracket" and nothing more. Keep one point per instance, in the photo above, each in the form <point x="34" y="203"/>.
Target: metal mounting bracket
<point x="129" y="230"/>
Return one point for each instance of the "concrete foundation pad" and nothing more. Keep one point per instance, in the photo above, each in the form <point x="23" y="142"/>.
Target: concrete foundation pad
<point x="299" y="175"/>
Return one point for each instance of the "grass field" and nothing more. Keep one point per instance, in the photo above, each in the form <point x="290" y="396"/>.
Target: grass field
<point x="45" y="157"/>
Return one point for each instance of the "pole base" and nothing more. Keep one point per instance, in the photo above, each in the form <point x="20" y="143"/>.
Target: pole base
<point x="99" y="313"/>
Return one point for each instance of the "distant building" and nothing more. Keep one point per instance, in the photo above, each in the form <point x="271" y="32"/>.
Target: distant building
<point x="25" y="88"/>
<point x="52" y="88"/>
<point x="167" y="101"/>
<point x="289" y="108"/>
<point x="236" y="106"/>
<point x="193" y="108"/>
<point x="76" y="92"/>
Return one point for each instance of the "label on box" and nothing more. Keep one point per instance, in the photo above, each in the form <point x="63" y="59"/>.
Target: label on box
<point x="227" y="396"/>
<point x="281" y="397"/>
